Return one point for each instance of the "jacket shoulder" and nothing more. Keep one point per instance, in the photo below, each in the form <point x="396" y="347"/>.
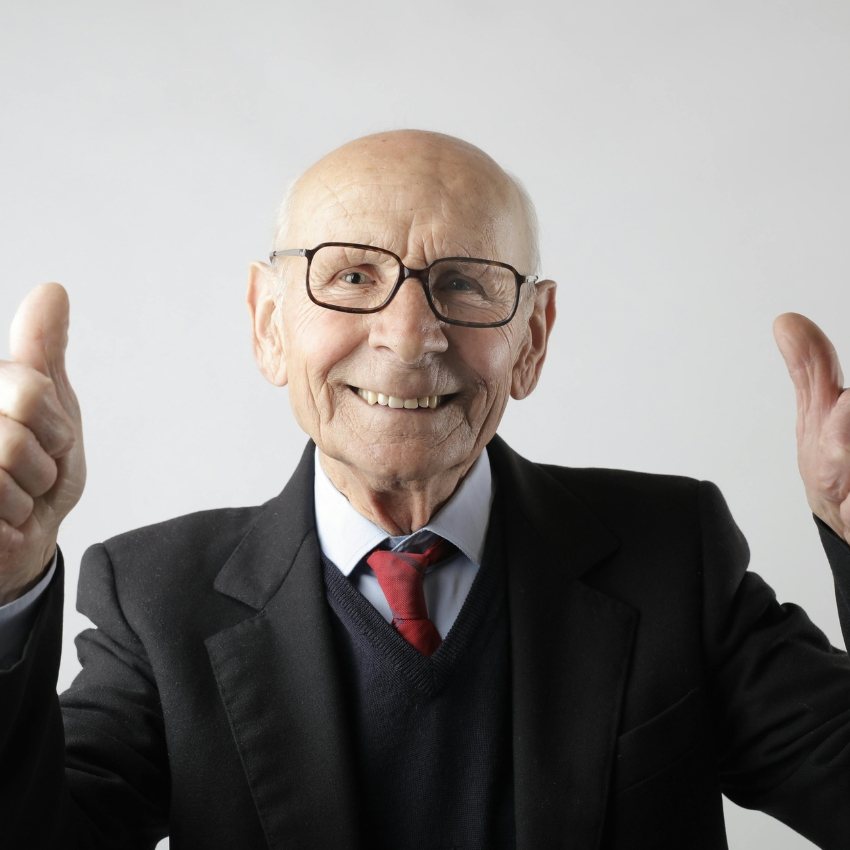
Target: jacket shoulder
<point x="633" y="506"/>
<point x="618" y="477"/>
<point x="201" y="533"/>
<point x="598" y="487"/>
<point x="672" y="516"/>
<point x="182" y="555"/>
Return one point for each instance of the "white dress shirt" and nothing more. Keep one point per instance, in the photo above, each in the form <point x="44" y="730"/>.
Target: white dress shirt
<point x="346" y="537"/>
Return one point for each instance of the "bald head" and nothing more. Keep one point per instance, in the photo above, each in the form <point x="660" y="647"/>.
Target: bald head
<point x="369" y="186"/>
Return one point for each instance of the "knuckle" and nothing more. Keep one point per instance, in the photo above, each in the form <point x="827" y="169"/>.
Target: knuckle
<point x="9" y="537"/>
<point x="6" y="485"/>
<point x="15" y="505"/>
<point x="28" y="396"/>
<point x="65" y="438"/>
<point x="825" y="481"/>
<point x="24" y="458"/>
<point x="47" y="477"/>
<point x="15" y="447"/>
<point x="6" y="536"/>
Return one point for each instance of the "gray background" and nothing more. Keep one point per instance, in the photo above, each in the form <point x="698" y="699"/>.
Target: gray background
<point x="689" y="162"/>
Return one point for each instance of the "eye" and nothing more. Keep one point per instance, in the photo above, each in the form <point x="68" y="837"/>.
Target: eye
<point x="456" y="284"/>
<point x="355" y="277"/>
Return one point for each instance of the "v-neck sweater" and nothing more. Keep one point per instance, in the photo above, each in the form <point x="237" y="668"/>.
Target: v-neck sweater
<point x="431" y="736"/>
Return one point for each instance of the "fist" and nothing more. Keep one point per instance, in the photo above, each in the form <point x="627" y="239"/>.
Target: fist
<point x="42" y="465"/>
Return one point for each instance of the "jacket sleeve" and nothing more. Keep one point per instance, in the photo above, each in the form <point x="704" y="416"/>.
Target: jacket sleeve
<point x="838" y="553"/>
<point x="88" y="770"/>
<point x="780" y="692"/>
<point x="17" y="618"/>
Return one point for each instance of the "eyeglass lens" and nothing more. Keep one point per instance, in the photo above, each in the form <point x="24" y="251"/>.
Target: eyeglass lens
<point x="359" y="278"/>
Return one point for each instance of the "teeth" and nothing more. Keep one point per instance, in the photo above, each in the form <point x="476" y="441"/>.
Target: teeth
<point x="397" y="403"/>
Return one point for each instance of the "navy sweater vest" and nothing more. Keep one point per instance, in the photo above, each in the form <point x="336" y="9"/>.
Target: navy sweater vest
<point x="432" y="736"/>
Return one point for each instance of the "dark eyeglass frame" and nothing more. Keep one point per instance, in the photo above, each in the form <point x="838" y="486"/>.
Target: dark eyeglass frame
<point x="404" y="273"/>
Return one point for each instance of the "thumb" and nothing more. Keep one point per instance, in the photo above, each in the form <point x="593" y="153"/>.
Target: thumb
<point x="39" y="336"/>
<point x="39" y="331"/>
<point x="811" y="360"/>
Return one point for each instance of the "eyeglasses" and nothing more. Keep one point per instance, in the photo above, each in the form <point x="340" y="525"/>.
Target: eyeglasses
<point x="463" y="291"/>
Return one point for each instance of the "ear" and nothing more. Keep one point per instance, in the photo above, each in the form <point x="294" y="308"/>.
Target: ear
<point x="269" y="349"/>
<point x="532" y="353"/>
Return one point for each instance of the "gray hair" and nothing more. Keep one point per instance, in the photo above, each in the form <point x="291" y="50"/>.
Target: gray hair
<point x="283" y="215"/>
<point x="280" y="227"/>
<point x="532" y="223"/>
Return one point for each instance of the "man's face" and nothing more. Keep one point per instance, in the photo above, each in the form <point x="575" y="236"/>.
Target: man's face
<point x="421" y="201"/>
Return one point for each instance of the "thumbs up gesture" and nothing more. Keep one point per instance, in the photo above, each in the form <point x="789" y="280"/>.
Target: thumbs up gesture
<point x="42" y="465"/>
<point x="823" y="418"/>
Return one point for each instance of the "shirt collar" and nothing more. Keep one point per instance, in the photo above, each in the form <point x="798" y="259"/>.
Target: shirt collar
<point x="346" y="537"/>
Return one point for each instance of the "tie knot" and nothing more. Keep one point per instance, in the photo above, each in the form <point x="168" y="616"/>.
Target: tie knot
<point x="382" y="560"/>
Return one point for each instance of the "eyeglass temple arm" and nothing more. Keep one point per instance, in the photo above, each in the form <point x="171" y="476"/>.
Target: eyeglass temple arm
<point x="289" y="252"/>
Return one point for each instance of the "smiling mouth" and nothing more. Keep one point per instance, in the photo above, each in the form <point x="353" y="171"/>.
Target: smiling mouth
<point x="372" y="397"/>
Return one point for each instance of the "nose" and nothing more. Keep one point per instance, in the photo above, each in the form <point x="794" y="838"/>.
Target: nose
<point x="407" y="326"/>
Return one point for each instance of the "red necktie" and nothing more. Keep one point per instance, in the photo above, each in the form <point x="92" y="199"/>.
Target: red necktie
<point x="400" y="575"/>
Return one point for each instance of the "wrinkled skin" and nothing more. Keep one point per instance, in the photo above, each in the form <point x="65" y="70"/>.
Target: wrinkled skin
<point x="422" y="196"/>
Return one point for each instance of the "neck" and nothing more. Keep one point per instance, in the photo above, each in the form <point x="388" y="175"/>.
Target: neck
<point x="398" y="507"/>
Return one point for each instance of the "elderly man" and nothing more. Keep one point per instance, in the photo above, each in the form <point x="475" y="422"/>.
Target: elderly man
<point x="425" y="641"/>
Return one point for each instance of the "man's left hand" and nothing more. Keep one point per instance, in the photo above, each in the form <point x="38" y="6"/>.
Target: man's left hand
<point x="823" y="418"/>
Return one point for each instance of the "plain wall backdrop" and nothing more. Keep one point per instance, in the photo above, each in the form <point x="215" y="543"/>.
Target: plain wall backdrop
<point x="689" y="161"/>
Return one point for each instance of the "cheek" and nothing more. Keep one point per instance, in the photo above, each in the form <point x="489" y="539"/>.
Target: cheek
<point x="490" y="358"/>
<point x="317" y="340"/>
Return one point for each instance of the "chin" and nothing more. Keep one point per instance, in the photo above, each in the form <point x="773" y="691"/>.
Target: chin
<point x="403" y="461"/>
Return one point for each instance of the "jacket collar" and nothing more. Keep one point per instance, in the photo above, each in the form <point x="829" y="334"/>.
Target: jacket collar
<point x="540" y="508"/>
<point x="261" y="562"/>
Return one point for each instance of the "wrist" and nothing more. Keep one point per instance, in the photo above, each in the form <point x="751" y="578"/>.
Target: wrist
<point x="14" y="585"/>
<point x="829" y="513"/>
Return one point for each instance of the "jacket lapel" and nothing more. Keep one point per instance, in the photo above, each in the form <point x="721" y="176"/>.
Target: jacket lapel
<point x="570" y="647"/>
<point x="277" y="677"/>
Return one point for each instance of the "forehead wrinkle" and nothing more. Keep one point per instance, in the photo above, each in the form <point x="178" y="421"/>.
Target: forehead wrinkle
<point x="424" y="245"/>
<point x="353" y="210"/>
<point x="420" y="215"/>
<point x="332" y="206"/>
<point x="443" y="231"/>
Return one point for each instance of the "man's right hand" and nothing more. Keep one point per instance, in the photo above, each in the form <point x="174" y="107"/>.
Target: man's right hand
<point x="42" y="464"/>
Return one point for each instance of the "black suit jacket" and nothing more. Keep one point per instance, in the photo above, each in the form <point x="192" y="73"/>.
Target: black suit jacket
<point x="650" y="672"/>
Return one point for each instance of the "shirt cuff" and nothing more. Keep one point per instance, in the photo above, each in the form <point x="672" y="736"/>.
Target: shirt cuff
<point x="16" y="619"/>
